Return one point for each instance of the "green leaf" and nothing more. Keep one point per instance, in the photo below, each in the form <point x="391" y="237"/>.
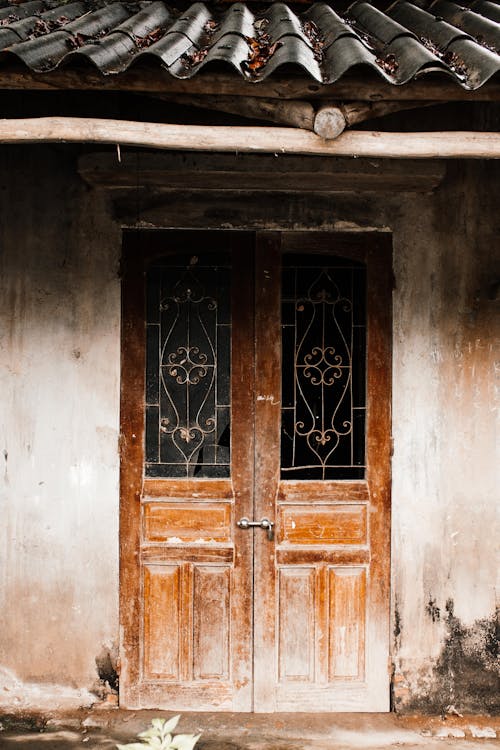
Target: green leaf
<point x="184" y="741"/>
<point x="155" y="742"/>
<point x="151" y="732"/>
<point x="158" y="724"/>
<point x="168" y="726"/>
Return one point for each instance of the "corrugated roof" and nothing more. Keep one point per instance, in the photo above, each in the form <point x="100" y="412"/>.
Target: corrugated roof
<point x="400" y="44"/>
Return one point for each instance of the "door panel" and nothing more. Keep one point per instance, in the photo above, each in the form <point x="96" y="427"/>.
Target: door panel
<point x="324" y="584"/>
<point x="187" y="463"/>
<point x="294" y="427"/>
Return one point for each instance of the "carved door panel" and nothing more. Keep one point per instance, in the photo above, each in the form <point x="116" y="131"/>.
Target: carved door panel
<point x="251" y="400"/>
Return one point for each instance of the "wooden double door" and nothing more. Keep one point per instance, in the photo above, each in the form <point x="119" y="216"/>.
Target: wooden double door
<point x="255" y="462"/>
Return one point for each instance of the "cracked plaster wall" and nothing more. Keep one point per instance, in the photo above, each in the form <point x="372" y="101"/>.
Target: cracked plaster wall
<point x="59" y="374"/>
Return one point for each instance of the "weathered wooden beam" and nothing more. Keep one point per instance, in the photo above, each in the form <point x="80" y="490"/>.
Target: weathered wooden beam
<point x="146" y="80"/>
<point x="329" y="121"/>
<point x="332" y="119"/>
<point x="247" y="210"/>
<point x="292" y="112"/>
<point x="257" y="172"/>
<point x="431" y="145"/>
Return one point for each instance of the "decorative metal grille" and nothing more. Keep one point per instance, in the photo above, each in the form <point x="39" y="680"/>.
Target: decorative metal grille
<point x="324" y="368"/>
<point x="188" y="367"/>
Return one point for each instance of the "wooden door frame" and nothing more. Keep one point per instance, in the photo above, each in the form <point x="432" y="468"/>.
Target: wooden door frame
<point x="376" y="248"/>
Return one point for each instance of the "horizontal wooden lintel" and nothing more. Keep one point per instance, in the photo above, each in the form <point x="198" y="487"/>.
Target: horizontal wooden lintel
<point x="257" y="173"/>
<point x="348" y="88"/>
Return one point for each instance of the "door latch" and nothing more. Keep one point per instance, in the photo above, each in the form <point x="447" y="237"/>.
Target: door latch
<point x="264" y="523"/>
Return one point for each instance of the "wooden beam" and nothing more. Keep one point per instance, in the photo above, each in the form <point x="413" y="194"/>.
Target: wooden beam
<point x="247" y="210"/>
<point x="175" y="171"/>
<point x="147" y="80"/>
<point x="292" y="112"/>
<point x="328" y="122"/>
<point x="431" y="145"/>
<point x="331" y="120"/>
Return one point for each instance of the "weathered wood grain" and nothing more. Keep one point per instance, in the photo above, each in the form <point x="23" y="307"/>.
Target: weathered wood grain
<point x="262" y="172"/>
<point x="267" y="466"/>
<point x="196" y="522"/>
<point x="224" y="138"/>
<point x="325" y="525"/>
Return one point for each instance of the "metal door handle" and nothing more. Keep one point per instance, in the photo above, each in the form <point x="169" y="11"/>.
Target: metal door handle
<point x="264" y="523"/>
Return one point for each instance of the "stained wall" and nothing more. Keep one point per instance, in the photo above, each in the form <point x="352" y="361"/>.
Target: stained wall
<point x="59" y="376"/>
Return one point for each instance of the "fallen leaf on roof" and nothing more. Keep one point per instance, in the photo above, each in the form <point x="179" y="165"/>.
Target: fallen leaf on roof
<point x="195" y="58"/>
<point x="312" y="33"/>
<point x="143" y="42"/>
<point x="211" y="26"/>
<point x="9" y="19"/>
<point x="388" y="63"/>
<point x="261" y="50"/>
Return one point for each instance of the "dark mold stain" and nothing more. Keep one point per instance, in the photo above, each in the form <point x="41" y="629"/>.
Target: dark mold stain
<point x="433" y="610"/>
<point x="397" y="625"/>
<point x="106" y="664"/>
<point x="467" y="673"/>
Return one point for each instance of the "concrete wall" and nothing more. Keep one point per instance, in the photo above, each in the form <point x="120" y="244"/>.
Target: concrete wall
<point x="59" y="375"/>
<point x="446" y="449"/>
<point x="59" y="379"/>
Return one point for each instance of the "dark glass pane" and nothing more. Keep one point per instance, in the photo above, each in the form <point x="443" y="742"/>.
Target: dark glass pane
<point x="358" y="435"/>
<point x="359" y="366"/>
<point x="288" y="313"/>
<point x="223" y="365"/>
<point x="287" y="437"/>
<point x="323" y="359"/>
<point x="288" y="364"/>
<point x="152" y="441"/>
<point x="188" y="365"/>
<point x="345" y="472"/>
<point x="216" y="471"/>
<point x="159" y="471"/>
<point x="153" y="364"/>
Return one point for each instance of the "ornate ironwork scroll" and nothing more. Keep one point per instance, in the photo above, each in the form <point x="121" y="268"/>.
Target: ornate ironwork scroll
<point x="324" y="365"/>
<point x="188" y="367"/>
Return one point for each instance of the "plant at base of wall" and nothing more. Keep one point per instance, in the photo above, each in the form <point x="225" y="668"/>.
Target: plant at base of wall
<point x="159" y="737"/>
